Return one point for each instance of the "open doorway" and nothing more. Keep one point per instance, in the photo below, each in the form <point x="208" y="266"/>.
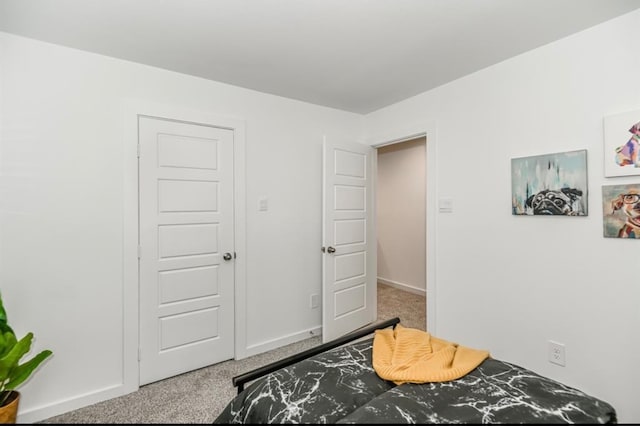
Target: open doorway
<point x="401" y="230"/>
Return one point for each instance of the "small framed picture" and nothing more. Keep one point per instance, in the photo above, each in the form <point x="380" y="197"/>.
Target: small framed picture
<point x="550" y="184"/>
<point x="621" y="211"/>
<point x="622" y="144"/>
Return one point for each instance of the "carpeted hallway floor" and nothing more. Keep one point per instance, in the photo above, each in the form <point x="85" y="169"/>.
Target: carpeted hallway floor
<point x="409" y="307"/>
<point x="199" y="396"/>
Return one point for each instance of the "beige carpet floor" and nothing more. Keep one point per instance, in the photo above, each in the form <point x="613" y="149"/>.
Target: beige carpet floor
<point x="200" y="396"/>
<point x="411" y="308"/>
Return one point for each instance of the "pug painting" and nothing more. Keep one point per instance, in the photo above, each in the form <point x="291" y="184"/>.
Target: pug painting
<point x="550" y="184"/>
<point x="565" y="201"/>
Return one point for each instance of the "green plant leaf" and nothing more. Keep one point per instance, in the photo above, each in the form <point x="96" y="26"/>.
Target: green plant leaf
<point x="4" y="344"/>
<point x="22" y="372"/>
<point x="7" y="341"/>
<point x="10" y="360"/>
<point x="4" y="321"/>
<point x="12" y="373"/>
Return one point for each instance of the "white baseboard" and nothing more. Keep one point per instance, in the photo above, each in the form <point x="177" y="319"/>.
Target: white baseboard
<point x="402" y="286"/>
<point x="282" y="341"/>
<point x="61" y="407"/>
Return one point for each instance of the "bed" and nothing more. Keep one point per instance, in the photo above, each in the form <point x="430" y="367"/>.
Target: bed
<point x="336" y="383"/>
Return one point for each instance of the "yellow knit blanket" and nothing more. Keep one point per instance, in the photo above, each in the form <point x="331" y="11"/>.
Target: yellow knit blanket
<point x="410" y="355"/>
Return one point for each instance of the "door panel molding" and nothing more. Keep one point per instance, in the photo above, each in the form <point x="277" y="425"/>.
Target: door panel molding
<point x="348" y="233"/>
<point x="131" y="110"/>
<point x="198" y="331"/>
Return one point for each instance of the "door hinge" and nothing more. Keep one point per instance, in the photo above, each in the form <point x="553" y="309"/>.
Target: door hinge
<point x="139" y="354"/>
<point x="138" y="150"/>
<point x="139" y="252"/>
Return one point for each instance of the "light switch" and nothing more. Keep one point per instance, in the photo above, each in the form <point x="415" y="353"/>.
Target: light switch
<point x="263" y="204"/>
<point x="445" y="205"/>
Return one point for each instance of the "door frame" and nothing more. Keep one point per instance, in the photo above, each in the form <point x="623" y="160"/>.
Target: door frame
<point x="427" y="129"/>
<point x="133" y="108"/>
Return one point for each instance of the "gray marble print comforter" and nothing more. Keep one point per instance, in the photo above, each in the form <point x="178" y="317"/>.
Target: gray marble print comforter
<point x="340" y="386"/>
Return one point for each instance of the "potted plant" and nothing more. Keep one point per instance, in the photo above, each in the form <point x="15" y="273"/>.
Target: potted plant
<point x="13" y="372"/>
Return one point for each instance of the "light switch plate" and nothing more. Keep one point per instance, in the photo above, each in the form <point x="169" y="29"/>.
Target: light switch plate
<point x="445" y="205"/>
<point x="263" y="204"/>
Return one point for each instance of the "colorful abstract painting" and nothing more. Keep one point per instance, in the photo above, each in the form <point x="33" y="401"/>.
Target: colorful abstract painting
<point x="622" y="144"/>
<point x="550" y="184"/>
<point x="621" y="211"/>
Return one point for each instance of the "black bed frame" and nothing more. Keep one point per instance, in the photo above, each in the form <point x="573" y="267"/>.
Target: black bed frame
<point x="240" y="380"/>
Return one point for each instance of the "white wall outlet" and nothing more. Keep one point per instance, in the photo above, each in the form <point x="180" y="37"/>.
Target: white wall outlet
<point x="556" y="353"/>
<point x="315" y="301"/>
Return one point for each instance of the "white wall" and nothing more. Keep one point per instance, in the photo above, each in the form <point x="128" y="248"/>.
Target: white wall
<point x="504" y="283"/>
<point x="400" y="209"/>
<point x="61" y="209"/>
<point x="511" y="283"/>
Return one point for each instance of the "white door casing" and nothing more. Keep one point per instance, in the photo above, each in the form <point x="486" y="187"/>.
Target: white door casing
<point x="186" y="200"/>
<point x="349" y="252"/>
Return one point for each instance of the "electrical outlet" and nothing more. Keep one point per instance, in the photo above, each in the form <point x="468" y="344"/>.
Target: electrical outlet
<point x="556" y="353"/>
<point x="315" y="301"/>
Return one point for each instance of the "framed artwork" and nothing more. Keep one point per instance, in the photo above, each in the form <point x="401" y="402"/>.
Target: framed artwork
<point x="550" y="184"/>
<point x="621" y="211"/>
<point x="622" y="144"/>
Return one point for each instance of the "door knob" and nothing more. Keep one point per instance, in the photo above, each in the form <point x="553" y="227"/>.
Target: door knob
<point x="331" y="249"/>
<point x="227" y="256"/>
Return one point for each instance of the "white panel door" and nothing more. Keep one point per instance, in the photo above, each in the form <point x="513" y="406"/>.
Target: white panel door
<point x="186" y="228"/>
<point x="349" y="251"/>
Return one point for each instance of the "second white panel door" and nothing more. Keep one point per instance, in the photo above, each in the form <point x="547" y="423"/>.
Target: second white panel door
<point x="349" y="261"/>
